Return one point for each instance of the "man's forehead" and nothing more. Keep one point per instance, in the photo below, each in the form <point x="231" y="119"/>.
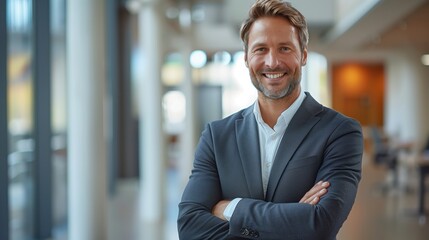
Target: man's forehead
<point x="272" y="29"/>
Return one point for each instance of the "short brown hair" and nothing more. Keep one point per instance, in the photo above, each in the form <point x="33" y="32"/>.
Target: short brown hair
<point x="275" y="8"/>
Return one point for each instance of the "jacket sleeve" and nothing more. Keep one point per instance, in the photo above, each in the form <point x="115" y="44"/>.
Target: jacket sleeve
<point x="203" y="191"/>
<point x="341" y="166"/>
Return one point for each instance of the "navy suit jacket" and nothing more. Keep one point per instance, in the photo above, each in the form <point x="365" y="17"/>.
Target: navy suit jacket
<point x="319" y="144"/>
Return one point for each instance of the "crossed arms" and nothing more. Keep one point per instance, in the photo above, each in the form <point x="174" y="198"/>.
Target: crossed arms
<point x="318" y="215"/>
<point x="311" y="197"/>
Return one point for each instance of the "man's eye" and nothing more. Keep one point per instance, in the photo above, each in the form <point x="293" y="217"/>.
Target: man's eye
<point x="285" y="48"/>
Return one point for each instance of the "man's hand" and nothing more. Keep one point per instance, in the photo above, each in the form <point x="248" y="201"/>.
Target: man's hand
<point x="219" y="208"/>
<point x="313" y="196"/>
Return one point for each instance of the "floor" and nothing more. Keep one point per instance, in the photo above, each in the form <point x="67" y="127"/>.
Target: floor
<point x="380" y="211"/>
<point x="124" y="222"/>
<point x="385" y="212"/>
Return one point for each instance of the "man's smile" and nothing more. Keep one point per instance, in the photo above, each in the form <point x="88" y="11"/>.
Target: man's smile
<point x="273" y="75"/>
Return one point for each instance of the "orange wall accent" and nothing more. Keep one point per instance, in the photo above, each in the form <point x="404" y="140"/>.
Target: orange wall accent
<point x="358" y="91"/>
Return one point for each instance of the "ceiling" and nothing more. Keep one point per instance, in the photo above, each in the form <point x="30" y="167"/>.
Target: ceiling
<point x="412" y="30"/>
<point x="367" y="31"/>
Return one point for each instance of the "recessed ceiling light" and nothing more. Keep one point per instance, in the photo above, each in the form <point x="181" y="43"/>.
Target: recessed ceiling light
<point x="198" y="59"/>
<point x="425" y="59"/>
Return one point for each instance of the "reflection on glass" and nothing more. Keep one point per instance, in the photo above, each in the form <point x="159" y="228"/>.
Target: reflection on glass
<point x="20" y="108"/>
<point x="59" y="118"/>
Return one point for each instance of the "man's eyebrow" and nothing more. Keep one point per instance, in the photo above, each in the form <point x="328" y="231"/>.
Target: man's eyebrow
<point x="258" y="44"/>
<point x="262" y="44"/>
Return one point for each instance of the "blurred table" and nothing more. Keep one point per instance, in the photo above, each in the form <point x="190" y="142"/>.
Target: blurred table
<point x="423" y="165"/>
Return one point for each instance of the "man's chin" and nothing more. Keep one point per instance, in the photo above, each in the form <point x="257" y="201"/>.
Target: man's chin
<point x="275" y="96"/>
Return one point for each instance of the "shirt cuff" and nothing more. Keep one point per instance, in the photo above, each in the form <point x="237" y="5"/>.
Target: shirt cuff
<point x="229" y="210"/>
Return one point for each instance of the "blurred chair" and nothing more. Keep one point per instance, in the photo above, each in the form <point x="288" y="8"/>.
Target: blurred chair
<point x="426" y="147"/>
<point x="385" y="155"/>
<point x="423" y="166"/>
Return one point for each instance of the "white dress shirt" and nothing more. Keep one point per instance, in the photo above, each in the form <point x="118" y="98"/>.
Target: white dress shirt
<point x="269" y="141"/>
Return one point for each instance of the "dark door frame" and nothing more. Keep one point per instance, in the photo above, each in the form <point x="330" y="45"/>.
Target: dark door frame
<point x="4" y="149"/>
<point x="42" y="167"/>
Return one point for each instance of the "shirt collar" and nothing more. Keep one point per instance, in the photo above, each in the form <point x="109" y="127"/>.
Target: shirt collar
<point x="285" y="117"/>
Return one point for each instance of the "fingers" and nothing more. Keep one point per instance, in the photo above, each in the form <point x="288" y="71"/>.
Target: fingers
<point x="310" y="194"/>
<point x="315" y="193"/>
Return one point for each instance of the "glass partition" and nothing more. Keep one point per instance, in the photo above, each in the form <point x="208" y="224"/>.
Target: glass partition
<point x="59" y="118"/>
<point x="20" y="117"/>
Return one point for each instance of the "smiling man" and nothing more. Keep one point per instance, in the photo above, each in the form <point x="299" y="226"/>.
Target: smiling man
<point x="285" y="167"/>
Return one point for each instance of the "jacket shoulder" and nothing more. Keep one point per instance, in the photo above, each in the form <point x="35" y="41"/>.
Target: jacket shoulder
<point x="336" y="116"/>
<point x="230" y="120"/>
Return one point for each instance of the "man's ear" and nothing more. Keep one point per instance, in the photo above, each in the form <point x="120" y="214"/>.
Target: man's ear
<point x="245" y="60"/>
<point x="304" y="57"/>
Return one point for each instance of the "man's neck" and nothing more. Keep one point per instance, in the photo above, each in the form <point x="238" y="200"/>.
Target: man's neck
<point x="271" y="109"/>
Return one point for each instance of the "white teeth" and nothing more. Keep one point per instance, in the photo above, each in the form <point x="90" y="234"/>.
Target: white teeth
<point x="277" y="75"/>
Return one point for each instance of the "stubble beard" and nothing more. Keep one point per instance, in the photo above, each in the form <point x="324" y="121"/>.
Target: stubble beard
<point x="275" y="95"/>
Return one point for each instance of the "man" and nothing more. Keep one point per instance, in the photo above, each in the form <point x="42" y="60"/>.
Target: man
<point x="284" y="168"/>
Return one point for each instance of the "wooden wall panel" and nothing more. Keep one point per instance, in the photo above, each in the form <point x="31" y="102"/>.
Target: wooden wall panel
<point x="358" y="91"/>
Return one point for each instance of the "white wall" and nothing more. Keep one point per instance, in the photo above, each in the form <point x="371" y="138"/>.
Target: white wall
<point x="407" y="97"/>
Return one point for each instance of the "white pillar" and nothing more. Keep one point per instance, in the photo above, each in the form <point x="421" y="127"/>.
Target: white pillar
<point x="87" y="171"/>
<point x="152" y="137"/>
<point x="187" y="137"/>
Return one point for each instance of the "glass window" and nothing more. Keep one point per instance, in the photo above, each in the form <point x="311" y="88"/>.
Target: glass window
<point x="20" y="120"/>
<point x="59" y="118"/>
<point x="315" y="78"/>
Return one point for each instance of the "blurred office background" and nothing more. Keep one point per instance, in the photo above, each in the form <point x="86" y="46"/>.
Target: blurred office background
<point x="102" y="103"/>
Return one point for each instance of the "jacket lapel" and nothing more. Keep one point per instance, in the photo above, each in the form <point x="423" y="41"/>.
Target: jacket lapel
<point x="304" y="119"/>
<point x="248" y="148"/>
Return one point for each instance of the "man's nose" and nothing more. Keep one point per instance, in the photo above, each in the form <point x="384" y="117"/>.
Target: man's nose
<point x="271" y="59"/>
